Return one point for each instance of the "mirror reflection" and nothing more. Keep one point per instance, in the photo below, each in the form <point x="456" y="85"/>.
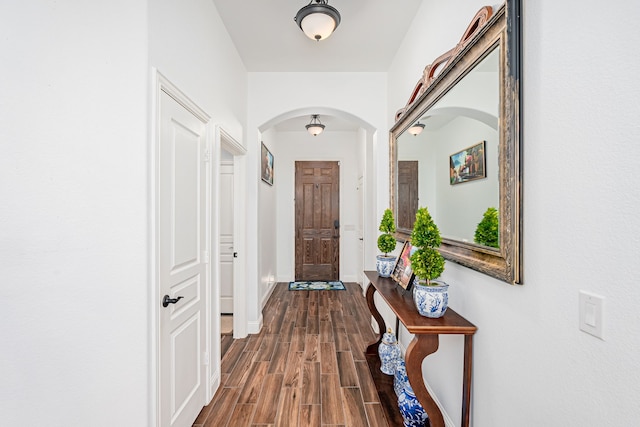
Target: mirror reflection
<point x="449" y="161"/>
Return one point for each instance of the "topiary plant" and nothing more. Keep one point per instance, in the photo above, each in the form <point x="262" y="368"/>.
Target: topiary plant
<point x="427" y="263"/>
<point x="487" y="231"/>
<point x="386" y="241"/>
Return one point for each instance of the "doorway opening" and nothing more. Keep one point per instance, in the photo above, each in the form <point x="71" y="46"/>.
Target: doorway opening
<point x="231" y="236"/>
<point x="226" y="242"/>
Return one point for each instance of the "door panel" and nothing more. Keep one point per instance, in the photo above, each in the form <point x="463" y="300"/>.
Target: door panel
<point x="184" y="366"/>
<point x="184" y="179"/>
<point x="182" y="266"/>
<point x="317" y="221"/>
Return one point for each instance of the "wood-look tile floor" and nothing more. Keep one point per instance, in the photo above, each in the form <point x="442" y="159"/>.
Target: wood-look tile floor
<point x="306" y="367"/>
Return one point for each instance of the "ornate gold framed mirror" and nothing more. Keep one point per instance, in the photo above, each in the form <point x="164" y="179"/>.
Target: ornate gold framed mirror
<point x="455" y="147"/>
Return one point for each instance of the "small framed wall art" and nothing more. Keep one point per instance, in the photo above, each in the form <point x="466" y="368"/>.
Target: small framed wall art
<point x="266" y="171"/>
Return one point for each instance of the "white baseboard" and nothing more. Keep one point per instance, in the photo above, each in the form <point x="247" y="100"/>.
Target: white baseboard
<point x="214" y="384"/>
<point x="267" y="294"/>
<point x="255" y="326"/>
<point x="352" y="278"/>
<point x="447" y="419"/>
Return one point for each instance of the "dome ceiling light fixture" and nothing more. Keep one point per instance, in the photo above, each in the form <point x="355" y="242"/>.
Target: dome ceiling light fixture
<point x="319" y="20"/>
<point x="416" y="129"/>
<point x="315" y="128"/>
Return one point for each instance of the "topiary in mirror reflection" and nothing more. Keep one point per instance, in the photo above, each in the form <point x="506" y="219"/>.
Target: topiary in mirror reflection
<point x="487" y="231"/>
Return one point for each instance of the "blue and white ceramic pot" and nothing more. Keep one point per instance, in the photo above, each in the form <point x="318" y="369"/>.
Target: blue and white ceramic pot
<point x="385" y="264"/>
<point x="413" y="414"/>
<point x="389" y="352"/>
<point x="432" y="300"/>
<point x="400" y="378"/>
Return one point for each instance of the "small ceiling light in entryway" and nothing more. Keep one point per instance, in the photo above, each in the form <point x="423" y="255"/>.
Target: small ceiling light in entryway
<point x="315" y="128"/>
<point x="416" y="129"/>
<point x="318" y="20"/>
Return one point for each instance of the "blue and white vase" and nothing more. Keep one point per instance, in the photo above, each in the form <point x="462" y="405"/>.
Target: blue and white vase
<point x="389" y="352"/>
<point x="400" y="378"/>
<point x="432" y="300"/>
<point x="385" y="264"/>
<point x="413" y="414"/>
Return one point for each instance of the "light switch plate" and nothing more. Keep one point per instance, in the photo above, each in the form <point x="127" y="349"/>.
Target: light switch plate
<point x="592" y="314"/>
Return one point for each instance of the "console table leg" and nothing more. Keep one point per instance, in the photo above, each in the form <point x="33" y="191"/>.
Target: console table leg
<point x="373" y="347"/>
<point x="421" y="346"/>
<point x="466" y="379"/>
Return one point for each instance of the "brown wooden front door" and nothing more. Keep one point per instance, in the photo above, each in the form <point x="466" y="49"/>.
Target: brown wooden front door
<point x="407" y="193"/>
<point x="317" y="221"/>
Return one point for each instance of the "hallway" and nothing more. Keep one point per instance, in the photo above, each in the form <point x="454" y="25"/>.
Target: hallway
<point x="305" y="368"/>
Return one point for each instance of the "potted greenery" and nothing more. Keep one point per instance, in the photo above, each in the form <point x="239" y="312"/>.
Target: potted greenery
<point x="487" y="231"/>
<point x="430" y="297"/>
<point x="386" y="244"/>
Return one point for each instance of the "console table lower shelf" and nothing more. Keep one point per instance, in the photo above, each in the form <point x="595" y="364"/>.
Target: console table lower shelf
<point x="384" y="386"/>
<point x="425" y="342"/>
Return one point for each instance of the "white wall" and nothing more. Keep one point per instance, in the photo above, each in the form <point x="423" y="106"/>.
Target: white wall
<point x="532" y="365"/>
<point x="330" y="146"/>
<point x="73" y="223"/>
<point x="188" y="44"/>
<point x="268" y="221"/>
<point x="74" y="183"/>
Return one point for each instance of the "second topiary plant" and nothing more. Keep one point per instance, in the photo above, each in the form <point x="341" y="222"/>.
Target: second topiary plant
<point x="426" y="261"/>
<point x="431" y="298"/>
<point x="386" y="244"/>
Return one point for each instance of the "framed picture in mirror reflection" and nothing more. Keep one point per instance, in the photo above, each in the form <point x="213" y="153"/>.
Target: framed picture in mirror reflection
<point x="468" y="164"/>
<point x="402" y="271"/>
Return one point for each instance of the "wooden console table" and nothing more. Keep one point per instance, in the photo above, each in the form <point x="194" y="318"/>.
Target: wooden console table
<point x="424" y="343"/>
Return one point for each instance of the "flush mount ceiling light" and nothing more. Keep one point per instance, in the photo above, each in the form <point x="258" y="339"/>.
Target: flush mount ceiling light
<point x="318" y="20"/>
<point x="315" y="128"/>
<point x="416" y="129"/>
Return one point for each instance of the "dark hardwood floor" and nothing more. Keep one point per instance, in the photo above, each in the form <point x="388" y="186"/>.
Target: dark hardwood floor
<point x="306" y="367"/>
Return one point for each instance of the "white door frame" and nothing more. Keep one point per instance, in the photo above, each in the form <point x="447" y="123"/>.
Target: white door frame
<point x="360" y="232"/>
<point x="161" y="84"/>
<point x="226" y="141"/>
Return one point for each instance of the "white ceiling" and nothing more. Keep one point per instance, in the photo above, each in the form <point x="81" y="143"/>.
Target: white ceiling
<point x="268" y="39"/>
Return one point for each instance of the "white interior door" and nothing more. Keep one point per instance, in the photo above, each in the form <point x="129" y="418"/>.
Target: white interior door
<point x="183" y="255"/>
<point x="226" y="233"/>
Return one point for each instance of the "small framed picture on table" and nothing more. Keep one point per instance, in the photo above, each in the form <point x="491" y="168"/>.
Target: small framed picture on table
<point x="402" y="271"/>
